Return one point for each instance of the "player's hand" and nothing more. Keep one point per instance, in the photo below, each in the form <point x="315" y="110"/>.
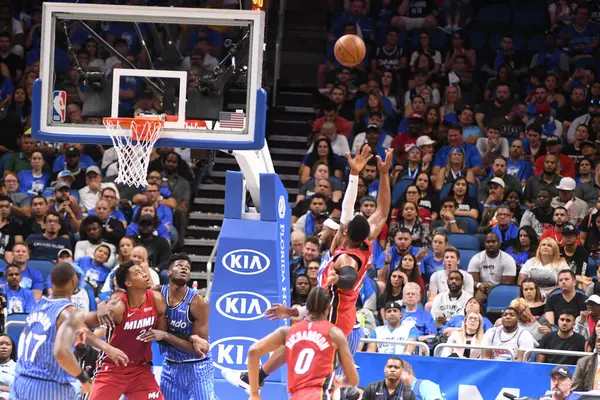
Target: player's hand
<point x="86" y="387"/>
<point x="105" y="316"/>
<point x="201" y="345"/>
<point x="117" y="356"/>
<point x="385" y="165"/>
<point x="279" y="311"/>
<point x="332" y="277"/>
<point x="358" y="162"/>
<point x="153" y="335"/>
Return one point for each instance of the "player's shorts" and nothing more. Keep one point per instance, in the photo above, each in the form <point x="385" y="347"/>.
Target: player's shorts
<point x="136" y="382"/>
<point x="185" y="381"/>
<point x="311" y="394"/>
<point x="353" y="344"/>
<point x="26" y="388"/>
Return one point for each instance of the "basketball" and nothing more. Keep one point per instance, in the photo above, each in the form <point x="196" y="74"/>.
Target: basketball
<point x="349" y="50"/>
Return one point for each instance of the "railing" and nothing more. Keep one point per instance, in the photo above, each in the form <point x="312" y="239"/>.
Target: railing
<point x="529" y="352"/>
<point x="209" y="268"/>
<point x="423" y="348"/>
<point x="438" y="349"/>
<point x="278" y="46"/>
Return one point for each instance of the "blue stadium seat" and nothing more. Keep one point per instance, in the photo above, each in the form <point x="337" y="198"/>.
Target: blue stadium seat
<point x="500" y="297"/>
<point x="44" y="266"/>
<point x="535" y="44"/>
<point x="400" y="188"/>
<point x="439" y="39"/>
<point x="530" y="18"/>
<point x="15" y="323"/>
<point x="463" y="241"/>
<point x="472" y="224"/>
<point x="465" y="257"/>
<point x="493" y="17"/>
<point x="3" y="265"/>
<point x="477" y="39"/>
<point x="591" y="268"/>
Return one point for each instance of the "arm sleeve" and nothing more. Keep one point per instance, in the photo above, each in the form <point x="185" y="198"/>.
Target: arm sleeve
<point x="349" y="200"/>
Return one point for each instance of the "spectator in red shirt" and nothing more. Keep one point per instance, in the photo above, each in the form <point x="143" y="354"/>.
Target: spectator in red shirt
<point x="404" y="141"/>
<point x="561" y="218"/>
<point x="343" y="126"/>
<point x="566" y="165"/>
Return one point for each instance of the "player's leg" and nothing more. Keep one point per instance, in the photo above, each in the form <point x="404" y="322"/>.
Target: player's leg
<point x="171" y="379"/>
<point x="240" y="379"/>
<point x="25" y="388"/>
<point x="109" y="385"/>
<point x="353" y="344"/>
<point x="311" y="393"/>
<point x="143" y="386"/>
<point x="203" y="378"/>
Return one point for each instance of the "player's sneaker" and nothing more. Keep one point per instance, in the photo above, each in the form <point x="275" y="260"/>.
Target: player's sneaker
<point x="239" y="379"/>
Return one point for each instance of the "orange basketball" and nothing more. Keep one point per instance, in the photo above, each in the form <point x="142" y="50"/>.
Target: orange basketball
<point x="349" y="50"/>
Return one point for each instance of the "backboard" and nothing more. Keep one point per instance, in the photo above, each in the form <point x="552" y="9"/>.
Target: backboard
<point x="101" y="61"/>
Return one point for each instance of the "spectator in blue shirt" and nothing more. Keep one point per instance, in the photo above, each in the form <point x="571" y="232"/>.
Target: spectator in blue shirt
<point x="94" y="271"/>
<point x="30" y="278"/>
<point x="434" y="260"/>
<point x="18" y="299"/>
<point x="455" y="323"/>
<point x="164" y="213"/>
<point x="413" y="312"/>
<point x="455" y="139"/>
<point x="148" y="209"/>
<point x="516" y="166"/>
<point x="394" y="330"/>
<point x="355" y="16"/>
<point x="34" y="181"/>
<point x="581" y="38"/>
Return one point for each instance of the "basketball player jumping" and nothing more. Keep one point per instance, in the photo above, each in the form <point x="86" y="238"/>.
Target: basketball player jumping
<point x="310" y="353"/>
<point x="131" y="314"/>
<point x="187" y="373"/>
<point x="47" y="365"/>
<point x="343" y="276"/>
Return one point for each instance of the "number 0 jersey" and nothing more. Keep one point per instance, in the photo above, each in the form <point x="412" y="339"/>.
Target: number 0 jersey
<point x="310" y="356"/>
<point x="36" y="344"/>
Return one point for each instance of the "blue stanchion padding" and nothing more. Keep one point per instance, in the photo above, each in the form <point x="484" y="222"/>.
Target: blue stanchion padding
<point x="251" y="273"/>
<point x="463" y="379"/>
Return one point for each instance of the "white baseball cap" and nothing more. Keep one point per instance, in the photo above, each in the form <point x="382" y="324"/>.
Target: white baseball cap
<point x="497" y="181"/>
<point x="424" y="141"/>
<point x="567" y="184"/>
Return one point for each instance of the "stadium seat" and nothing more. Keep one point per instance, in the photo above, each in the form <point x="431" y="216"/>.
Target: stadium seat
<point x="477" y="39"/>
<point x="15" y="323"/>
<point x="557" y="291"/>
<point x="493" y="17"/>
<point x="400" y="188"/>
<point x="471" y="223"/>
<point x="465" y="257"/>
<point x="500" y="297"/>
<point x="591" y="268"/>
<point x="535" y="44"/>
<point x="3" y="264"/>
<point x="463" y="241"/>
<point x="44" y="266"/>
<point x="530" y="18"/>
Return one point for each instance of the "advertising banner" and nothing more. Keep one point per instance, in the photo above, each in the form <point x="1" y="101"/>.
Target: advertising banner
<point x="251" y="273"/>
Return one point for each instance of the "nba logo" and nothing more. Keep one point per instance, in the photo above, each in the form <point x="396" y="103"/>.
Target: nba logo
<point x="59" y="106"/>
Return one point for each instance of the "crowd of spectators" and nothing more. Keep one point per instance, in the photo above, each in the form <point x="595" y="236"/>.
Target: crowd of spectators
<point x="496" y="176"/>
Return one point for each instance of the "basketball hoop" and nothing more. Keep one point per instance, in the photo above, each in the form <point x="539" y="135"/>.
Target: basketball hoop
<point x="134" y="139"/>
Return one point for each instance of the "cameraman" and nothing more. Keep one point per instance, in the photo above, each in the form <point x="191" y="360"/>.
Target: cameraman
<point x="560" y="384"/>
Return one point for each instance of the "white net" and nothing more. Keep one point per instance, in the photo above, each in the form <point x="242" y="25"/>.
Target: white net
<point x="133" y="139"/>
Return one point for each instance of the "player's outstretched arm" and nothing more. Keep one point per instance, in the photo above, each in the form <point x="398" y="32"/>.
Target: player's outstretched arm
<point x="69" y="323"/>
<point x="109" y="314"/>
<point x="264" y="346"/>
<point x="384" y="197"/>
<point x="346" y="361"/>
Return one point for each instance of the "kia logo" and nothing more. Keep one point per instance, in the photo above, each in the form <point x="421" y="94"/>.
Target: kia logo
<point x="246" y="262"/>
<point x="242" y="306"/>
<point x="232" y="352"/>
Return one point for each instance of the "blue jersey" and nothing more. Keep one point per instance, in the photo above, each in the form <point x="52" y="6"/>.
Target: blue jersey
<point x="179" y="322"/>
<point x="36" y="344"/>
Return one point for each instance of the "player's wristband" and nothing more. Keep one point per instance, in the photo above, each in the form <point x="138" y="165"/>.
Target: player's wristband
<point x="83" y="377"/>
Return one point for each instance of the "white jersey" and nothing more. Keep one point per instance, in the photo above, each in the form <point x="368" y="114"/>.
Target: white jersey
<point x="401" y="333"/>
<point x="497" y="337"/>
<point x="446" y="306"/>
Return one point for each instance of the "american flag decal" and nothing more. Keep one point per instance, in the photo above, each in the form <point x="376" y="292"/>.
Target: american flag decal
<point x="232" y="120"/>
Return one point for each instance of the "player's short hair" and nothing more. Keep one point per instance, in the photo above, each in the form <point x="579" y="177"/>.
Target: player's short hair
<point x="61" y="274"/>
<point x="317" y="300"/>
<point x="359" y="229"/>
<point x="179" y="257"/>
<point x="122" y="272"/>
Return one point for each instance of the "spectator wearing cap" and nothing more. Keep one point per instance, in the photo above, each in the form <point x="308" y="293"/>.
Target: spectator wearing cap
<point x="585" y="119"/>
<point x="560" y="219"/>
<point x="409" y="169"/>
<point x="20" y="161"/>
<point x="562" y="382"/>
<point x="21" y="203"/>
<point x="90" y="194"/>
<point x="548" y="179"/>
<point x="575" y="149"/>
<point x="577" y="208"/>
<point x="339" y="142"/>
<point x="577" y="256"/>
<point x="64" y="176"/>
<point x="66" y="207"/>
<point x="544" y="118"/>
<point x="310" y="252"/>
<point x="378" y="140"/>
<point x="75" y="162"/>
<point x="404" y="141"/>
<point x="517" y="166"/>
<point x="153" y="195"/>
<point x="342" y="127"/>
<point x="307" y="223"/>
<point x="589" y="191"/>
<point x="495" y="108"/>
<point x="566" y="164"/>
<point x="394" y="331"/>
<point x="587" y="320"/>
<point x="492" y="146"/>
<point x="47" y="245"/>
<point x="33" y="181"/>
<point x="471" y="154"/>
<point x="495" y="197"/>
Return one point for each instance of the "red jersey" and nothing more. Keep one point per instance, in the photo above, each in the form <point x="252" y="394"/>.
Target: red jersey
<point x="343" y="301"/>
<point x="135" y="322"/>
<point x="310" y="356"/>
